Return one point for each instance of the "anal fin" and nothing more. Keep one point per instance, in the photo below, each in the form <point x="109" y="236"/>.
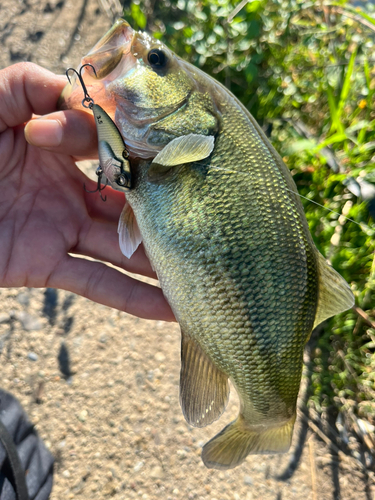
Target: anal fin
<point x="204" y="389"/>
<point x="231" y="446"/>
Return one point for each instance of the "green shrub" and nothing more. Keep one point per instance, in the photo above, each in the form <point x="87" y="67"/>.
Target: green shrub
<point x="305" y="72"/>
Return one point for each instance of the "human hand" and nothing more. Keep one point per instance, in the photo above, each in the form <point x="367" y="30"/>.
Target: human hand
<point x="45" y="213"/>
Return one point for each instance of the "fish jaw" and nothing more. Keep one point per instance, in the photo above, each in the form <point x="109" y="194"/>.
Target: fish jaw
<point x="136" y="94"/>
<point x="110" y="57"/>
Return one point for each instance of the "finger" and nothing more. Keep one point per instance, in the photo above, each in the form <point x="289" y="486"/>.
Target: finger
<point x="26" y="88"/>
<point x="107" y="286"/>
<point x="100" y="241"/>
<point x="110" y="210"/>
<point x="71" y="132"/>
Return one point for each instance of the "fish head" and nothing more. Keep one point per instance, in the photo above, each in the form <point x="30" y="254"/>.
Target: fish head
<point x="152" y="95"/>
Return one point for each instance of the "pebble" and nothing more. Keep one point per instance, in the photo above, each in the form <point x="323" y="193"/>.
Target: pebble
<point x="181" y="454"/>
<point x="23" y="299"/>
<point x="138" y="466"/>
<point x="159" y="356"/>
<point x="29" y="322"/>
<point x="109" y="489"/>
<point x="260" y="467"/>
<point x="139" y="379"/>
<point x="82" y="417"/>
<point x="4" y="318"/>
<point x="32" y="356"/>
<point x="157" y="472"/>
<point x="369" y="460"/>
<point x="66" y="473"/>
<point x="247" y="480"/>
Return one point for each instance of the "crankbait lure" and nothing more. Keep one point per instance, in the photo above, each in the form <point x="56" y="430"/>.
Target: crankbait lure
<point x="113" y="154"/>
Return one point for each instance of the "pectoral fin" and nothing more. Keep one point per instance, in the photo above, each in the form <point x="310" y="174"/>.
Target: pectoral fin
<point x="128" y="230"/>
<point x="204" y="389"/>
<point x="335" y="295"/>
<point x="185" y="149"/>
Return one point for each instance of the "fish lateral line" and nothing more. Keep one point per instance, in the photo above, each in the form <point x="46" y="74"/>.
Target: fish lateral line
<point x="294" y="192"/>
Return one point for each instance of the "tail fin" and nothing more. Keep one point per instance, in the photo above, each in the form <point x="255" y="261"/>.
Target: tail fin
<point x="231" y="446"/>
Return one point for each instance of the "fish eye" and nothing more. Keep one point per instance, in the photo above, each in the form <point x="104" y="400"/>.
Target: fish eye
<point x="157" y="58"/>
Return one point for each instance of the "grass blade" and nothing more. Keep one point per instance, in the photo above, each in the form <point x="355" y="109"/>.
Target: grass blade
<point x="336" y="123"/>
<point x="346" y="85"/>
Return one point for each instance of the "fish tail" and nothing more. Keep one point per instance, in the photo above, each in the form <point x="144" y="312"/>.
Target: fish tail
<point x="231" y="446"/>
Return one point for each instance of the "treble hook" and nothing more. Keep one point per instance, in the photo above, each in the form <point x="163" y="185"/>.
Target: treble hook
<point x="87" y="101"/>
<point x="99" y="173"/>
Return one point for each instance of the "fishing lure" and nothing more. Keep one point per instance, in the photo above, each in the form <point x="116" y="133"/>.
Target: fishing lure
<point x="113" y="153"/>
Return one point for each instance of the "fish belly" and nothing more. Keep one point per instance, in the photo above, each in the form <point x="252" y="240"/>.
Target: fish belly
<point x="239" y="273"/>
<point x="237" y="265"/>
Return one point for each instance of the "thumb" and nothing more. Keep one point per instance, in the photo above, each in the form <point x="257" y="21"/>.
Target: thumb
<point x="70" y="132"/>
<point x="26" y="88"/>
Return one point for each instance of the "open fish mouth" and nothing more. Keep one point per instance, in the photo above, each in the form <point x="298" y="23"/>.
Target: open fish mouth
<point x="106" y="55"/>
<point x="110" y="57"/>
<point x="120" y="77"/>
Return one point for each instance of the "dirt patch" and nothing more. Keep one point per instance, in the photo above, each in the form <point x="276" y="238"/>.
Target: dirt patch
<point x="102" y="386"/>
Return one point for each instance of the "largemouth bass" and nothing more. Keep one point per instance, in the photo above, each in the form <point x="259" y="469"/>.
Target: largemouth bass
<point x="222" y="223"/>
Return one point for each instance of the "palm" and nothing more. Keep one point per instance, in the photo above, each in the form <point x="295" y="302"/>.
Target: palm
<point x="45" y="215"/>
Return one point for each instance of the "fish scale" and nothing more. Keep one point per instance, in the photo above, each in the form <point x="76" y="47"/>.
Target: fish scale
<point x="233" y="198"/>
<point x="223" y="226"/>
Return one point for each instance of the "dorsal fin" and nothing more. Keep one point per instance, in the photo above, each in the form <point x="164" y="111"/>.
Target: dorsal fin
<point x="335" y="295"/>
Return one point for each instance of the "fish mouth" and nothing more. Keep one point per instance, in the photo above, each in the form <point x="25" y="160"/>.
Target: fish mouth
<point x="104" y="71"/>
<point x="110" y="57"/>
<point x="110" y="49"/>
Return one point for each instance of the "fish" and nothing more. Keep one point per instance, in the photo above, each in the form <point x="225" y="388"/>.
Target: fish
<point x="222" y="223"/>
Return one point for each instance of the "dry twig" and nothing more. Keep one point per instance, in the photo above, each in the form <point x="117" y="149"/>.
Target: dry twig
<point x="355" y="17"/>
<point x="366" y="318"/>
<point x="341" y="455"/>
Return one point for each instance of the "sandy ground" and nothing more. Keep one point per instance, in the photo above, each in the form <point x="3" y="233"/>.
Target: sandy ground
<point x="102" y="386"/>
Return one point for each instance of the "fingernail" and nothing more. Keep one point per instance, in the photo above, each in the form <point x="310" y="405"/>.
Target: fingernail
<point x="44" y="133"/>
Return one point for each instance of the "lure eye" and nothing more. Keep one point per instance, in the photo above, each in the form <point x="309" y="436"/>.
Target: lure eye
<point x="121" y="180"/>
<point x="157" y="58"/>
